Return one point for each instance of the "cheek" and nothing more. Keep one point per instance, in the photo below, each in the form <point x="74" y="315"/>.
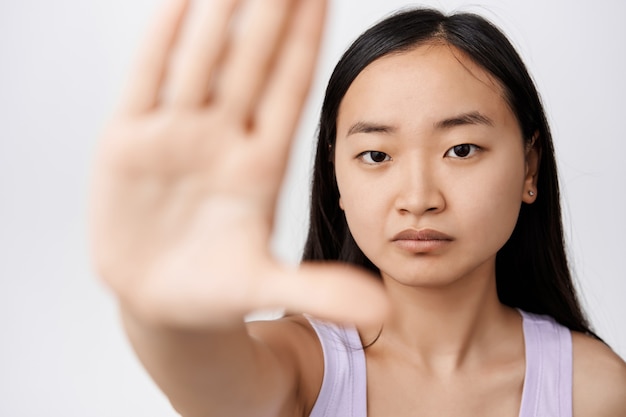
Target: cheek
<point x="364" y="203"/>
<point x="494" y="202"/>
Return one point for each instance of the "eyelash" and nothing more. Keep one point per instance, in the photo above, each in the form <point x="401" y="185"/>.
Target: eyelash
<point x="473" y="149"/>
<point x="368" y="154"/>
<point x="363" y="156"/>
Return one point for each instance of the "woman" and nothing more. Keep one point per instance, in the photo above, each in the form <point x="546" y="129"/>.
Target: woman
<point x="434" y="170"/>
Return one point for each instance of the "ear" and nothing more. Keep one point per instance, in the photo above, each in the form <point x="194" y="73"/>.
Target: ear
<point x="533" y="156"/>
<point x="341" y="203"/>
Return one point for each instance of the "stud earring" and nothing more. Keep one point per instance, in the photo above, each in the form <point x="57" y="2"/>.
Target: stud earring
<point x="531" y="193"/>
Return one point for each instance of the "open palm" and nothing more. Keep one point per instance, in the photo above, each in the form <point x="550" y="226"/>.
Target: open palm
<point x="188" y="172"/>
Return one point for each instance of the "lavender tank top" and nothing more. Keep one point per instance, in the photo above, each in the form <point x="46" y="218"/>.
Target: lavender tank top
<point x="547" y="384"/>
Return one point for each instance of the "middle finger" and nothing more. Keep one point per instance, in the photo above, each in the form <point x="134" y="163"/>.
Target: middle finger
<point x="202" y="42"/>
<point x="249" y="62"/>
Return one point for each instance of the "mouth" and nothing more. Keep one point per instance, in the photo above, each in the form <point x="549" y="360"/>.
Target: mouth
<point x="421" y="241"/>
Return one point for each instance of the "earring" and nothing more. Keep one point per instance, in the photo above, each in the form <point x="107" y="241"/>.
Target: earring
<point x="531" y="193"/>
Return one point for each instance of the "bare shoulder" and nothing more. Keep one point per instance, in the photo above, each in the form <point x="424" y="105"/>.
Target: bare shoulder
<point x="599" y="379"/>
<point x="295" y="345"/>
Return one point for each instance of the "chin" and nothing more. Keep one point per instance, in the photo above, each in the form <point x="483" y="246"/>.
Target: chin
<point x="422" y="280"/>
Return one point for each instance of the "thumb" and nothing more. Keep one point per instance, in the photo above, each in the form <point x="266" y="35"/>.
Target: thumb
<point x="332" y="291"/>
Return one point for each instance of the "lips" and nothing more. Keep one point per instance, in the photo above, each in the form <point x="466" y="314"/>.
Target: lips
<point x="422" y="235"/>
<point x="421" y="241"/>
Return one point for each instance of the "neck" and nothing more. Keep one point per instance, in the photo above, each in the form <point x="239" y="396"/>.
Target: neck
<point x="446" y="327"/>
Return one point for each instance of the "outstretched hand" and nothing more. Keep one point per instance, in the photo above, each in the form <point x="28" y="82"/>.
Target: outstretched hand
<point x="188" y="172"/>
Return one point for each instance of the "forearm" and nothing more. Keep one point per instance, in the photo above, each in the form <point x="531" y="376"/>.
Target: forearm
<point x="217" y="372"/>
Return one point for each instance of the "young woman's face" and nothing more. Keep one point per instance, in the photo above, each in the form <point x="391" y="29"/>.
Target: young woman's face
<point x="431" y="166"/>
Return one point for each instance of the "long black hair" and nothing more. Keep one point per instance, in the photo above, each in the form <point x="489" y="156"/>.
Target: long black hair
<point x="532" y="271"/>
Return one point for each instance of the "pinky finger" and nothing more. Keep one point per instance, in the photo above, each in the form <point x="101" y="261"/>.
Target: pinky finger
<point x="148" y="70"/>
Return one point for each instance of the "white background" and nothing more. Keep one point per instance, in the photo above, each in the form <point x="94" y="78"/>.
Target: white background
<point x="62" y="351"/>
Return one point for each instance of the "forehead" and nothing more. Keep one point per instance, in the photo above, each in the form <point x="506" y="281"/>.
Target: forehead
<point x="426" y="83"/>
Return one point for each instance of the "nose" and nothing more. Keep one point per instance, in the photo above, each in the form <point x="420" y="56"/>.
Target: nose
<point x="418" y="189"/>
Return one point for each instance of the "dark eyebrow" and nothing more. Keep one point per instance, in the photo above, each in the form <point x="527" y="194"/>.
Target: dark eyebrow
<point x="368" y="127"/>
<point x="471" y="118"/>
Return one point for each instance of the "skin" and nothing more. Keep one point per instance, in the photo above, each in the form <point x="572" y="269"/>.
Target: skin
<point x="447" y="325"/>
<point x="446" y="320"/>
<point x="423" y="184"/>
<point x="177" y="205"/>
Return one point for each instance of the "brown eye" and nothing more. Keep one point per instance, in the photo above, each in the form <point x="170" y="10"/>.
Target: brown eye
<point x="374" y="157"/>
<point x="378" y="156"/>
<point x="462" y="151"/>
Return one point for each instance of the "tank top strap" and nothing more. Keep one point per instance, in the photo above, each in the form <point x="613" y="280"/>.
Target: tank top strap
<point x="344" y="387"/>
<point x="548" y="382"/>
<point x="547" y="385"/>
